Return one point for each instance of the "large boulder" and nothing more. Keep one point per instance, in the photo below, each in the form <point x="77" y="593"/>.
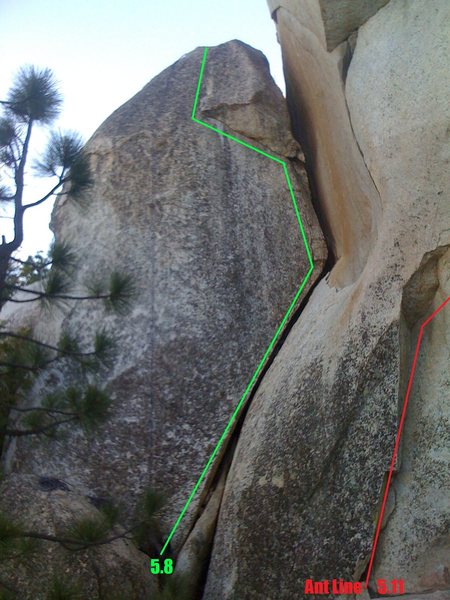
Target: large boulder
<point x="302" y="496"/>
<point x="208" y="231"/>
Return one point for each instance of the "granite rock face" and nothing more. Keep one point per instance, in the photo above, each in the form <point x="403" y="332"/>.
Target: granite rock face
<point x="346" y="198"/>
<point x="302" y="496"/>
<point x="208" y="232"/>
<point x="398" y="100"/>
<point x="443" y="595"/>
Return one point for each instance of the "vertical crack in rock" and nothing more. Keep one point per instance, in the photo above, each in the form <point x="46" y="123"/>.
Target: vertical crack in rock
<point x="209" y="235"/>
<point x="346" y="200"/>
<point x="359" y="147"/>
<point x="420" y="554"/>
<point x="195" y="563"/>
<point x="235" y="116"/>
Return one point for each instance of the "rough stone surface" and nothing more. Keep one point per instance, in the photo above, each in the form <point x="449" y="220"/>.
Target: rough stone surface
<point x="192" y="560"/>
<point x="343" y="17"/>
<point x="247" y="107"/>
<point x="208" y="232"/>
<point x="49" y="507"/>
<point x="347" y="201"/>
<point x="415" y="545"/>
<point x="412" y="104"/>
<point x="443" y="595"/>
<point x="304" y="484"/>
<point x="302" y="494"/>
<point x="339" y="17"/>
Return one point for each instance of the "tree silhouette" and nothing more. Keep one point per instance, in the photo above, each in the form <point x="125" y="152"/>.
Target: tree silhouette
<point x="34" y="100"/>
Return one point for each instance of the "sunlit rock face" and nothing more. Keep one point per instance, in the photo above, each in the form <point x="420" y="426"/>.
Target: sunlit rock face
<point x="208" y="232"/>
<point x="303" y="493"/>
<point x="397" y="90"/>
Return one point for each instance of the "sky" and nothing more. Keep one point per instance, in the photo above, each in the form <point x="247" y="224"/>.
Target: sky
<point x="102" y="52"/>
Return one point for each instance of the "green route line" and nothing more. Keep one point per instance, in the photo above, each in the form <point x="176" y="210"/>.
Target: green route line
<point x="286" y="316"/>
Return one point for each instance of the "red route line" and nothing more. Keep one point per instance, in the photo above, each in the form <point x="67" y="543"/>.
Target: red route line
<point x="399" y="433"/>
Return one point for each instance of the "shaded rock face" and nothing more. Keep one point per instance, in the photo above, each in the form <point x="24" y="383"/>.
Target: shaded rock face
<point x="302" y="496"/>
<point x="49" y="506"/>
<point x="340" y="17"/>
<point x="208" y="232"/>
<point x="343" y="17"/>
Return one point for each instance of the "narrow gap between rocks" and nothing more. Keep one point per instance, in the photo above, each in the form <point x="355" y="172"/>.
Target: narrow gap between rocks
<point x="227" y="453"/>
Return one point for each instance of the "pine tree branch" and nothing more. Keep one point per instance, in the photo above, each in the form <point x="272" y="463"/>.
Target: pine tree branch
<point x="9" y="103"/>
<point x="19" y="180"/>
<point x="38" y="430"/>
<point x="42" y="365"/>
<point x="30" y="263"/>
<point x="17" y="366"/>
<point x="42" y="409"/>
<point x="21" y="301"/>
<point x="16" y="152"/>
<point x="80" y="545"/>
<point x="38" y="295"/>
<point x="21" y="262"/>
<point x="61" y="182"/>
<point x="25" y="338"/>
